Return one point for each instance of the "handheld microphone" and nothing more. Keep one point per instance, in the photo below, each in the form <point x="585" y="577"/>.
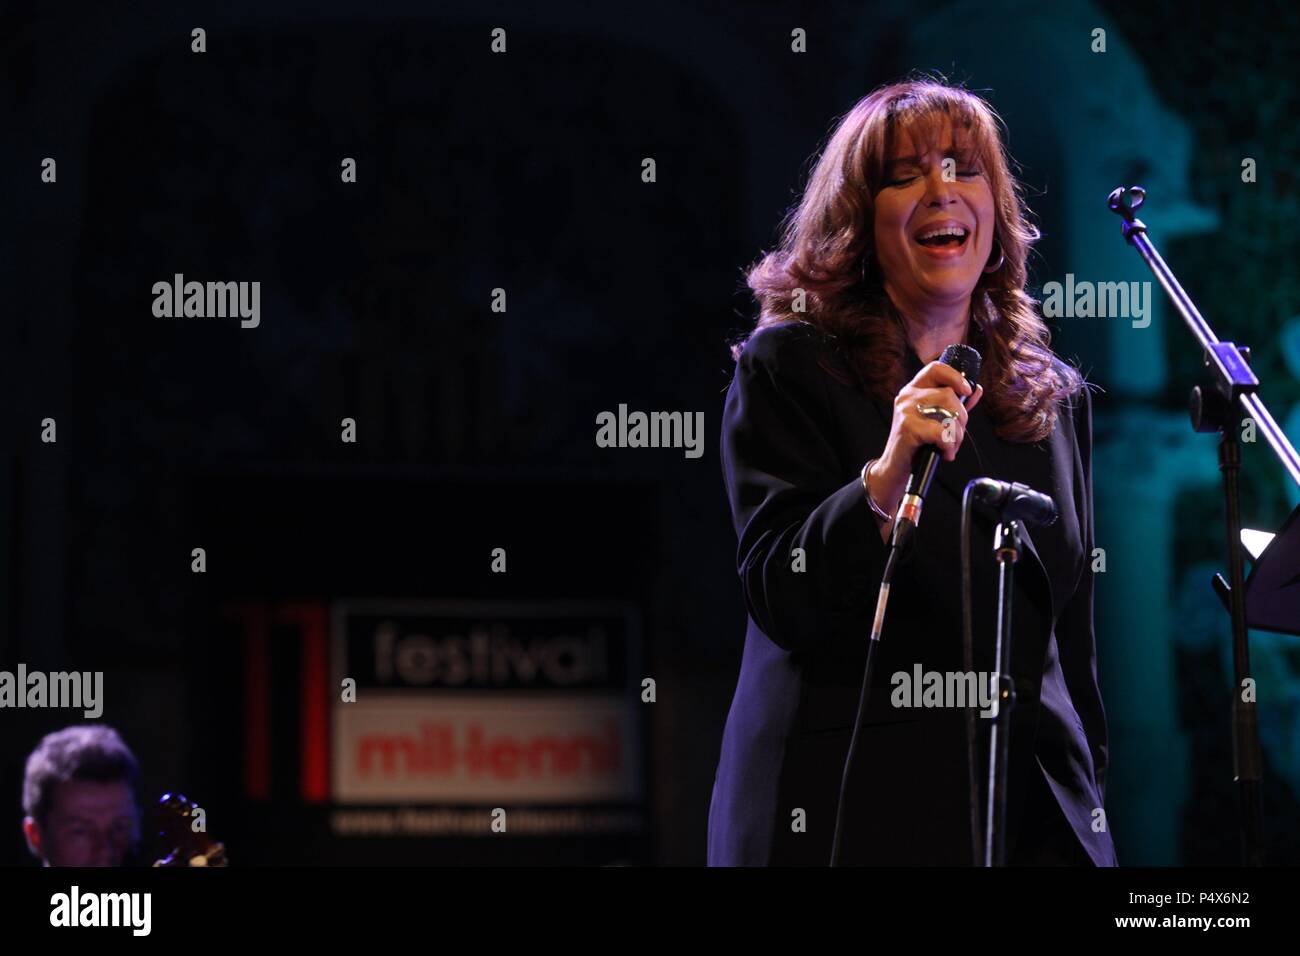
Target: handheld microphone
<point x="967" y="361"/>
<point x="1011" y="501"/>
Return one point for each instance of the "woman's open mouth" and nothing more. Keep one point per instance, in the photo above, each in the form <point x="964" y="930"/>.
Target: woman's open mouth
<point x="943" y="241"/>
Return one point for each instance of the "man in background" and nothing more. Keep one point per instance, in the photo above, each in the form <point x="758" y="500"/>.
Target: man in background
<point x="79" y="797"/>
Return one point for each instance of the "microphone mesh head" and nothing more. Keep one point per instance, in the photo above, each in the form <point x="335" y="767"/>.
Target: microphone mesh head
<point x="964" y="359"/>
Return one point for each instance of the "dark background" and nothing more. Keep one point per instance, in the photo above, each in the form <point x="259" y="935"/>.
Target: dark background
<point x="477" y="429"/>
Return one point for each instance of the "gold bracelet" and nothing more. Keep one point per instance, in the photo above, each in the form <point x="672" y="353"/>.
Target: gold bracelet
<point x="880" y="512"/>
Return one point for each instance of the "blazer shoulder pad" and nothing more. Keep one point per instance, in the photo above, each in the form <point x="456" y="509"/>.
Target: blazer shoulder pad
<point x="791" y="347"/>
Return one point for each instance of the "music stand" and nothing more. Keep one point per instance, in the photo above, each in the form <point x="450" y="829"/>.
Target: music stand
<point x="1273" y="587"/>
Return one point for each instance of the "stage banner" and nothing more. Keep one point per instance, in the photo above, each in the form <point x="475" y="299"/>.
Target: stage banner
<point x="473" y="719"/>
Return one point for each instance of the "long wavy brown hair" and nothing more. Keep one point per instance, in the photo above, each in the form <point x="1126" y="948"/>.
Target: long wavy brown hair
<point x="825" y="271"/>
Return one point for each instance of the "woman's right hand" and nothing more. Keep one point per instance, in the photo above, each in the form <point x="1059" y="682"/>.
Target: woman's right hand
<point x="936" y="385"/>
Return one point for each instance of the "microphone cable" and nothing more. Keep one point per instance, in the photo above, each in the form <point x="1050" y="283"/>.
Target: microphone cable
<point x="968" y="661"/>
<point x="877" y="626"/>
<point x="968" y="655"/>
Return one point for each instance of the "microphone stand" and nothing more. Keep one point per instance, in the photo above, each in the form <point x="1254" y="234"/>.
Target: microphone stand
<point x="1006" y="552"/>
<point x="1220" y="408"/>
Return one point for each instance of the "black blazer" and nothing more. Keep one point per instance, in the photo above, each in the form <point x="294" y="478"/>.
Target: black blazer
<point x="797" y="429"/>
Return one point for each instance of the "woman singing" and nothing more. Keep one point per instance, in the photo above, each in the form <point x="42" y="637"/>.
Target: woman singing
<point x="911" y="236"/>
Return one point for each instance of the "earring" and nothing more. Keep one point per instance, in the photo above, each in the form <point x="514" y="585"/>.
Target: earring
<point x="1001" y="259"/>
